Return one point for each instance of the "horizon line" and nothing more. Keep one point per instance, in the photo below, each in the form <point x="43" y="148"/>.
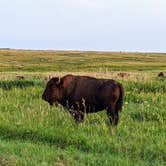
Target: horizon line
<point x="80" y="50"/>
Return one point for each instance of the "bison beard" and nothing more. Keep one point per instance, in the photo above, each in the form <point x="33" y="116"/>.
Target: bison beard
<point x="83" y="94"/>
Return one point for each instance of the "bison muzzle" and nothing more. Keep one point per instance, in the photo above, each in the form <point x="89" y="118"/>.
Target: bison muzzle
<point x="83" y="94"/>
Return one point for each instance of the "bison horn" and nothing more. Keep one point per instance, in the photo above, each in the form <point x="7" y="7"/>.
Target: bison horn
<point x="49" y="78"/>
<point x="59" y="79"/>
<point x="58" y="82"/>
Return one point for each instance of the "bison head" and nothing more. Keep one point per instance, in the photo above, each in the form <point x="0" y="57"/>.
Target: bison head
<point x="52" y="93"/>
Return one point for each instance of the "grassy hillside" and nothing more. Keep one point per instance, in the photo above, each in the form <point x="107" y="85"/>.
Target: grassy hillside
<point x="33" y="133"/>
<point x="14" y="60"/>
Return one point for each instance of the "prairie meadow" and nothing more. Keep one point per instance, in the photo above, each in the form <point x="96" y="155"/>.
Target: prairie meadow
<point x="33" y="133"/>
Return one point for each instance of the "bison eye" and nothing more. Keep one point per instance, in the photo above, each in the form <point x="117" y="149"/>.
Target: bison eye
<point x="51" y="84"/>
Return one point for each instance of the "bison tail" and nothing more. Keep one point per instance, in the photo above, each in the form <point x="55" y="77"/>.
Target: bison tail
<point x="119" y="103"/>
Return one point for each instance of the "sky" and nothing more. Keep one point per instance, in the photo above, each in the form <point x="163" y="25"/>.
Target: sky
<point x="102" y="25"/>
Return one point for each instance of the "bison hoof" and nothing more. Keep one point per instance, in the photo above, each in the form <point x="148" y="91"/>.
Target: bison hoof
<point x="114" y="121"/>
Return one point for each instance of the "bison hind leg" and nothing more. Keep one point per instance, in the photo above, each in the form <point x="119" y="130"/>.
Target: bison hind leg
<point x="112" y="115"/>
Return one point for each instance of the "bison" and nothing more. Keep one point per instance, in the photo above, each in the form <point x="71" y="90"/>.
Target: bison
<point x="161" y="74"/>
<point x="20" y="77"/>
<point x="122" y="75"/>
<point x="83" y="94"/>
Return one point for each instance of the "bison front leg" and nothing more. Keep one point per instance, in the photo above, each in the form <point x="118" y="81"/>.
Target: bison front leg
<point x="112" y="115"/>
<point x="78" y="116"/>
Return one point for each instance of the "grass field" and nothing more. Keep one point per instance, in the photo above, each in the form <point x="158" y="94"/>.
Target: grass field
<point x="32" y="133"/>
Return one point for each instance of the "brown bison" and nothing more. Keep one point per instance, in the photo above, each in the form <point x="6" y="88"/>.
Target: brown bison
<point x="83" y="94"/>
<point x="161" y="74"/>
<point x="122" y="75"/>
<point x="20" y="77"/>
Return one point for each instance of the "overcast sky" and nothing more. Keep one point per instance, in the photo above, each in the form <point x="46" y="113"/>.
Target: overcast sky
<point x="110" y="25"/>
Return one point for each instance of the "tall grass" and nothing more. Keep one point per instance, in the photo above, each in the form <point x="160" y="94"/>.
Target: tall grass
<point x="142" y="86"/>
<point x="8" y="84"/>
<point x="33" y="133"/>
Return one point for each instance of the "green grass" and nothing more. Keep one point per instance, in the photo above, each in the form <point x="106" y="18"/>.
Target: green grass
<point x="14" y="60"/>
<point x="19" y="83"/>
<point x="33" y="133"/>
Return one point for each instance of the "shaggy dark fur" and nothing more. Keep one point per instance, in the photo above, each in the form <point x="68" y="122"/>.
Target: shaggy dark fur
<point x="82" y="94"/>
